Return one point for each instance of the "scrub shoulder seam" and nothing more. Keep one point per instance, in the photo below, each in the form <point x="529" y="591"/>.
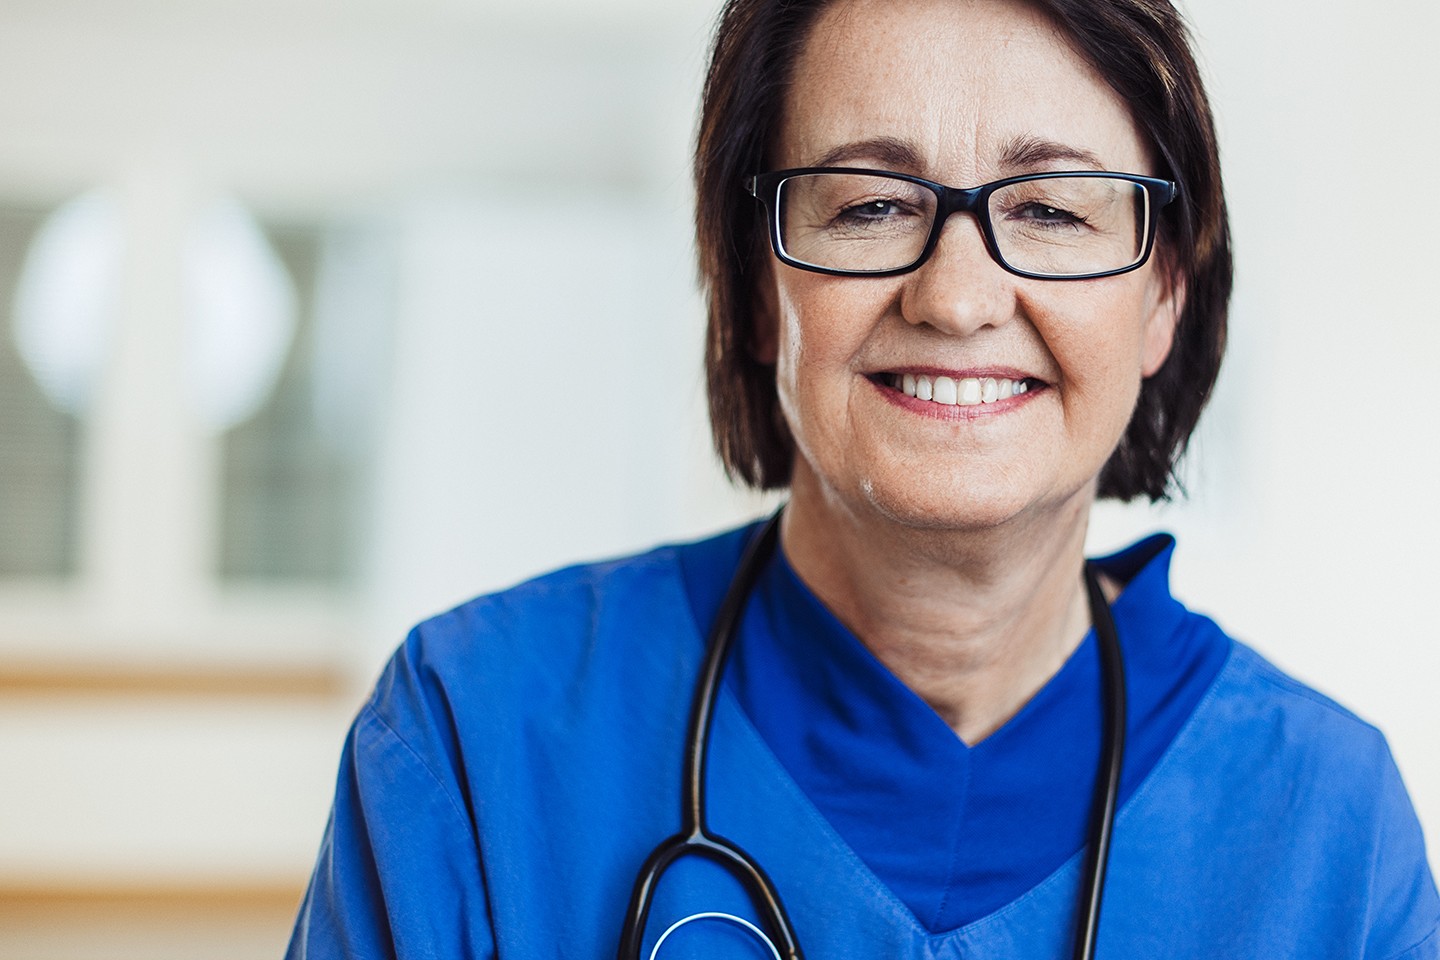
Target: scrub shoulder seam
<point x="1273" y="676"/>
<point x="368" y="715"/>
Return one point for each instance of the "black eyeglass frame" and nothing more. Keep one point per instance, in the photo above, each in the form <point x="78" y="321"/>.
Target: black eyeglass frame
<point x="765" y="187"/>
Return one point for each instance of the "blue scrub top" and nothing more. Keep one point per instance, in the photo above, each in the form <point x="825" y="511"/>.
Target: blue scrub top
<point x="522" y="755"/>
<point x="982" y="824"/>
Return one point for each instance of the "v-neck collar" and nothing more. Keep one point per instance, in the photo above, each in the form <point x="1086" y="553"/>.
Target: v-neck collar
<point x="957" y="831"/>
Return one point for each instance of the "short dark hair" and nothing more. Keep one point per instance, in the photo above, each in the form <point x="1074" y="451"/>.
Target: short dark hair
<point x="1140" y="47"/>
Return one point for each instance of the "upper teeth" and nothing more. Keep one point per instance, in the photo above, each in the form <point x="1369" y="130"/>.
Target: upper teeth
<point x="964" y="392"/>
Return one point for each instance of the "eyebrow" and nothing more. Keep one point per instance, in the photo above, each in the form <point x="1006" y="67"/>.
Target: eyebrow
<point x="1029" y="151"/>
<point x="890" y="152"/>
<point x="896" y="154"/>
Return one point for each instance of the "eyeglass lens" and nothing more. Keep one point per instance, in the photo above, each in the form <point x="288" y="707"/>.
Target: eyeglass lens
<point x="1053" y="226"/>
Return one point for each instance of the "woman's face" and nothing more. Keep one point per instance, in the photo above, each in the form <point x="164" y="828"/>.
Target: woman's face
<point x="962" y="92"/>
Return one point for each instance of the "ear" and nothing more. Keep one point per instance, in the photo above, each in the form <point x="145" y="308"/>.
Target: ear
<point x="764" y="314"/>
<point x="1166" y="303"/>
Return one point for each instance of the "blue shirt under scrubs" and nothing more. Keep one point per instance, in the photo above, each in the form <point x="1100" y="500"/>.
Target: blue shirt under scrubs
<point x="981" y="824"/>
<point x="522" y="755"/>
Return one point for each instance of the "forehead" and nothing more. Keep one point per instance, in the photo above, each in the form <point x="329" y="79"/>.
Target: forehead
<point x="961" y="81"/>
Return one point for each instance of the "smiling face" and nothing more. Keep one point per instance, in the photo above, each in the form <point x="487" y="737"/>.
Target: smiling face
<point x="962" y="92"/>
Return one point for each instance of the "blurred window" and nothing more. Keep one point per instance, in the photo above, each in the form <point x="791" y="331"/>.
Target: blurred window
<point x="290" y="487"/>
<point x="39" y="443"/>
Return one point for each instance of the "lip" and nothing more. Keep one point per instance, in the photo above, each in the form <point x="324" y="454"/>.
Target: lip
<point x="956" y="412"/>
<point x="960" y="373"/>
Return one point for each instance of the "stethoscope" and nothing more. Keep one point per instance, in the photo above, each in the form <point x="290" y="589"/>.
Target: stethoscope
<point x="695" y="836"/>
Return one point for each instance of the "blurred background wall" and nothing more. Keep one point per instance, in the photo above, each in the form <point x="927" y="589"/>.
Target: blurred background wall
<point x="320" y="316"/>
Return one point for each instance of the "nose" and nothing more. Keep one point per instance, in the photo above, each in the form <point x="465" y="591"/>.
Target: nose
<point x="960" y="289"/>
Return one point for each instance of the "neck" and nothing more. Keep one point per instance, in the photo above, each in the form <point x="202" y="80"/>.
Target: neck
<point x="974" y="621"/>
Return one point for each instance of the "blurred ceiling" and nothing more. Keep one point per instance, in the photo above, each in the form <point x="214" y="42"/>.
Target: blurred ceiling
<point x="321" y="100"/>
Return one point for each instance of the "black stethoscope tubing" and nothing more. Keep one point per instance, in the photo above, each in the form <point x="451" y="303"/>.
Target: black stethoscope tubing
<point x="695" y="836"/>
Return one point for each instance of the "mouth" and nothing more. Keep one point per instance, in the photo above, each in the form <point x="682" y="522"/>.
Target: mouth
<point x="957" y="391"/>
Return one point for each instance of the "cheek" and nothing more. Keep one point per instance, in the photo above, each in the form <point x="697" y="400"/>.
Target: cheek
<point x="823" y="324"/>
<point x="1101" y="352"/>
<point x="796" y="349"/>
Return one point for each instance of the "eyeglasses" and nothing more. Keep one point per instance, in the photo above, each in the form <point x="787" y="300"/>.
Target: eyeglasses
<point x="1051" y="226"/>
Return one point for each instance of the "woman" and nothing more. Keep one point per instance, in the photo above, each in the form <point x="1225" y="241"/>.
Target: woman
<point x="915" y="732"/>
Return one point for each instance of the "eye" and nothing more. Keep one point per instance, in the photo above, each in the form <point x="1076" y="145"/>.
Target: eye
<point x="1044" y="213"/>
<point x="842" y="206"/>
<point x="870" y="211"/>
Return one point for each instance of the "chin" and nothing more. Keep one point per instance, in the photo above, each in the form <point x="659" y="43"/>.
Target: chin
<point x="940" y="509"/>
